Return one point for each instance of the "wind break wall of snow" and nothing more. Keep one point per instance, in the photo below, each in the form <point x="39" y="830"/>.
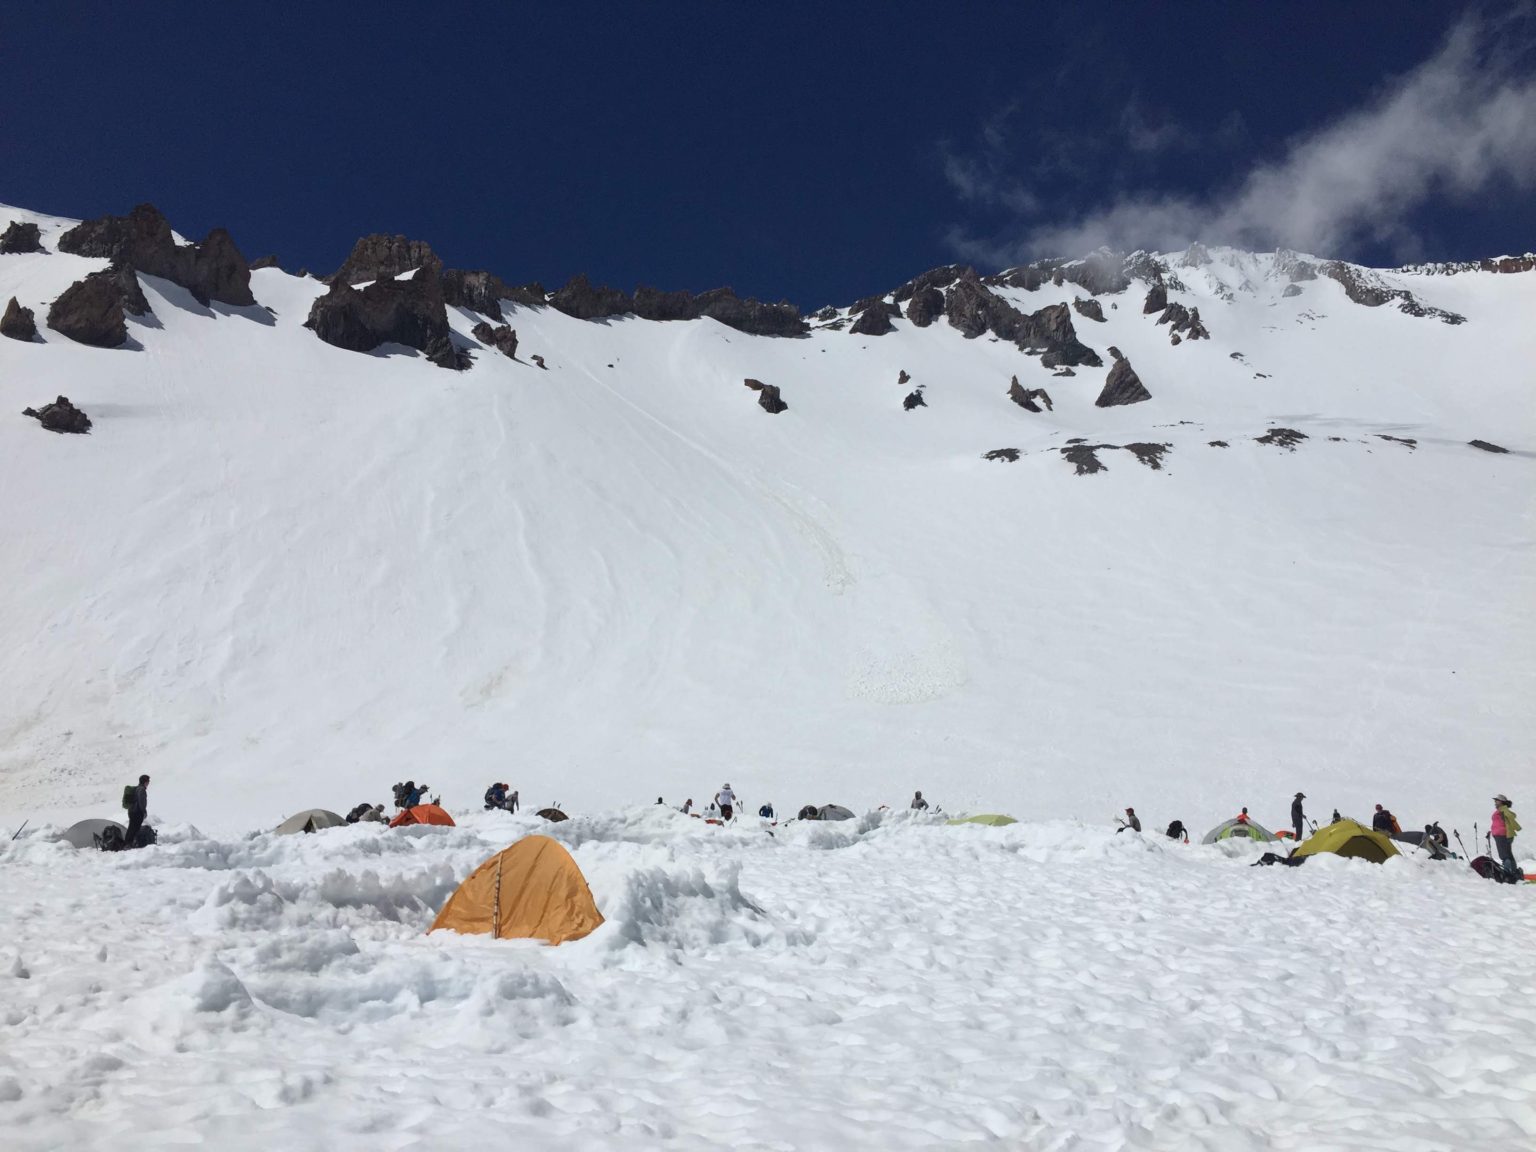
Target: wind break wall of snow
<point x="280" y="575"/>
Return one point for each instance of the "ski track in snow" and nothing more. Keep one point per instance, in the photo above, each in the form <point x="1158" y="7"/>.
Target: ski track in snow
<point x="884" y="983"/>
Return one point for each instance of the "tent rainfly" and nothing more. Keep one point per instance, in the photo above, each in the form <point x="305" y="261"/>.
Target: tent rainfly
<point x="532" y="890"/>
<point x="833" y="812"/>
<point x="422" y="814"/>
<point x="1348" y="838"/>
<point x="553" y="815"/>
<point x="85" y="834"/>
<point x="310" y="820"/>
<point x="995" y="819"/>
<point x="1237" y="829"/>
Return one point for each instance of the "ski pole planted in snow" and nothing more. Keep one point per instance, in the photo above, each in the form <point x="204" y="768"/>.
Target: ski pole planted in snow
<point x="19" y="831"/>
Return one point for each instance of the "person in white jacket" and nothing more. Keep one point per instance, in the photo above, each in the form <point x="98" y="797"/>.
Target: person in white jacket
<point x="725" y="799"/>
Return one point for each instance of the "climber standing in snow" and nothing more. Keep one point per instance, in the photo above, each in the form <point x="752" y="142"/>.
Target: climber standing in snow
<point x="918" y="803"/>
<point x="766" y="811"/>
<point x="136" y="801"/>
<point x="1298" y="817"/>
<point x="725" y="800"/>
<point x="1132" y="822"/>
<point x="1504" y="827"/>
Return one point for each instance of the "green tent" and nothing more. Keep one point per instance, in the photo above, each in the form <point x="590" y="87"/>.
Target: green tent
<point x="995" y="819"/>
<point x="1238" y="829"/>
<point x="1348" y="838"/>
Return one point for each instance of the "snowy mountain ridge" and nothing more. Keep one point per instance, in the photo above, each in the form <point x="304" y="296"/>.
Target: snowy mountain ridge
<point x="1209" y="526"/>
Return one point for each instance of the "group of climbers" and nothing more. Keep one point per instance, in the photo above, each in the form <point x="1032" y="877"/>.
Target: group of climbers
<point x="501" y="795"/>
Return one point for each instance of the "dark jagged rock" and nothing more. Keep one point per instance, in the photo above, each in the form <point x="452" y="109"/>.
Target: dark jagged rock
<point x="822" y="315"/>
<point x="1364" y="288"/>
<point x="1063" y="372"/>
<point x="90" y="311"/>
<point x="502" y="337"/>
<point x="971" y="308"/>
<point x="925" y="306"/>
<point x="1406" y="441"/>
<point x="60" y="416"/>
<point x="378" y="256"/>
<point x="654" y="304"/>
<point x="539" y="360"/>
<point x="1027" y="398"/>
<point x="1099" y="273"/>
<point x="902" y="376"/>
<point x="914" y="400"/>
<point x="142" y="240"/>
<point x="1092" y="309"/>
<point x="1286" y="438"/>
<point x="1292" y="290"/>
<point x="19" y="237"/>
<point x="480" y="292"/>
<point x="1486" y="446"/>
<point x="875" y="319"/>
<point x="388" y="311"/>
<point x="1150" y="454"/>
<point x="585" y="301"/>
<point x="1085" y="457"/>
<point x="1184" y="322"/>
<point x="754" y="317"/>
<point x="768" y="398"/>
<point x="1006" y="455"/>
<point x="1219" y="444"/>
<point x="1122" y="385"/>
<point x="941" y="277"/>
<point x="1157" y="298"/>
<point x="264" y="262"/>
<point x="127" y="282"/>
<point x="18" y="323"/>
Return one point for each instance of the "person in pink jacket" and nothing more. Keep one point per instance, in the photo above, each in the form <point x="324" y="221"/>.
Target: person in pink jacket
<point x="1504" y="827"/>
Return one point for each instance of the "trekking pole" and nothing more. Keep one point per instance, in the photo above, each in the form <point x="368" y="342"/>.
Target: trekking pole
<point x="23" y="827"/>
<point x="1465" y="855"/>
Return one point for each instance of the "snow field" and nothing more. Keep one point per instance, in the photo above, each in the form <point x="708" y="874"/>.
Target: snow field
<point x="888" y="982"/>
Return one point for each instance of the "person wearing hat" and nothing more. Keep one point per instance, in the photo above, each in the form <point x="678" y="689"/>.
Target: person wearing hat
<point x="1504" y="827"/>
<point x="1298" y="817"/>
<point x="1131" y="822"/>
<point x="726" y="799"/>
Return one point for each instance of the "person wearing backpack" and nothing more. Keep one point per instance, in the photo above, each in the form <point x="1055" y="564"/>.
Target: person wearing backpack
<point x="496" y="796"/>
<point x="1298" y="817"/>
<point x="1504" y="828"/>
<point x="136" y="802"/>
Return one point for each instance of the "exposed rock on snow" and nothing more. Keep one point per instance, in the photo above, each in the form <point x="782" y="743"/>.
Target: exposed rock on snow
<point x="1218" y="444"/>
<point x="60" y="416"/>
<point x="914" y="400"/>
<point x="902" y="376"/>
<point x="18" y="323"/>
<point x="1099" y="273"/>
<point x="1292" y="290"/>
<point x="1406" y="441"/>
<point x="1486" y="446"/>
<point x="1122" y="385"/>
<point x="1092" y="309"/>
<point x="875" y="317"/>
<point x="1286" y="438"/>
<point x="1157" y="299"/>
<point x="381" y="257"/>
<point x="92" y="310"/>
<point x="480" y="292"/>
<point x="539" y="360"/>
<point x="1365" y="287"/>
<point x="1006" y="455"/>
<point x="1184" y="322"/>
<point x="1084" y="456"/>
<point x="927" y="305"/>
<point x="20" y="237"/>
<point x="502" y="336"/>
<point x="409" y="312"/>
<point x="1026" y="397"/>
<point x="212" y="270"/>
<point x="580" y="298"/>
<point x="768" y="398"/>
<point x="936" y="278"/>
<point x="264" y="262"/>
<point x="972" y="309"/>
<point x="1150" y="454"/>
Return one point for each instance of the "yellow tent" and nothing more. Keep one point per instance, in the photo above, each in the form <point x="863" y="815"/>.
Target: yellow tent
<point x="1347" y="838"/>
<point x="531" y="890"/>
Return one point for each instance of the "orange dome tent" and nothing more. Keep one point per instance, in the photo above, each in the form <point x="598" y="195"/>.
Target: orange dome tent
<point x="422" y="814"/>
<point x="532" y="890"/>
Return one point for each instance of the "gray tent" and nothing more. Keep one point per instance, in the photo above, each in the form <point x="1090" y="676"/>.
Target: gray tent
<point x="83" y="834"/>
<point x="310" y="820"/>
<point x="833" y="812"/>
<point x="1237" y="829"/>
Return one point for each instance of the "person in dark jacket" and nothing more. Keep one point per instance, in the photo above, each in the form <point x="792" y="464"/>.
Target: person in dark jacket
<point x="918" y="803"/>
<point x="496" y="796"/>
<point x="1298" y="817"/>
<point x="138" y="809"/>
<point x="766" y="811"/>
<point x="1384" y="821"/>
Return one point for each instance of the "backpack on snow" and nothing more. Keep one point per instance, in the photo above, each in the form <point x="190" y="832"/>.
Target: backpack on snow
<point x="1490" y="869"/>
<point x="109" y="839"/>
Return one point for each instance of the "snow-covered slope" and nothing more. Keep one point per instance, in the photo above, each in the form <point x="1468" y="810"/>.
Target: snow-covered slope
<point x="279" y="574"/>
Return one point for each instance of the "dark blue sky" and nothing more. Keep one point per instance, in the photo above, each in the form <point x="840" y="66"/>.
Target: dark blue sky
<point x="816" y="152"/>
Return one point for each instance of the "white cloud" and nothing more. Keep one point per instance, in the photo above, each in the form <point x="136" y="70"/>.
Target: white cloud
<point x="1459" y="123"/>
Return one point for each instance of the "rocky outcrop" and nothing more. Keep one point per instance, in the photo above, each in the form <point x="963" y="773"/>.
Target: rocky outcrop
<point x="264" y="262"/>
<point x="914" y="400"/>
<point x="1084" y="456"/>
<point x="941" y="277"/>
<point x="502" y="337"/>
<point x="1486" y="446"/>
<point x="60" y="416"/>
<point x="971" y="308"/>
<point x="1099" y="273"/>
<point x="768" y="398"/>
<point x="1293" y="267"/>
<point x="901" y="376"/>
<point x="381" y="257"/>
<point x="19" y="237"/>
<point x="1292" y="290"/>
<point x="1366" y="288"/>
<point x="92" y="310"/>
<point x="1286" y="438"/>
<point x="1184" y="322"/>
<point x="483" y="292"/>
<point x="754" y="317"/>
<point x="1006" y="455"/>
<point x="1157" y="298"/>
<point x="1122" y="385"/>
<point x="586" y="301"/>
<point x="1029" y="399"/>
<point x="18" y="323"/>
<point x="925" y="306"/>
<point x="875" y="318"/>
<point x="142" y="240"/>
<point x="1092" y="309"/>
<point x="388" y="311"/>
